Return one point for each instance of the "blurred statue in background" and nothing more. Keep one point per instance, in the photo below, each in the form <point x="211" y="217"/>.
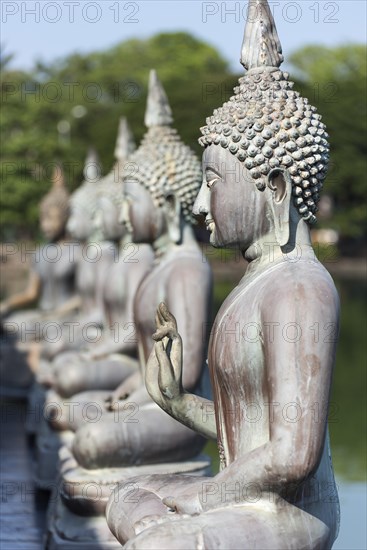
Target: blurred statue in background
<point x="265" y="158"/>
<point x="94" y="255"/>
<point x="135" y="435"/>
<point x="50" y="285"/>
<point x="110" y="356"/>
<point x="105" y="363"/>
<point x="83" y="311"/>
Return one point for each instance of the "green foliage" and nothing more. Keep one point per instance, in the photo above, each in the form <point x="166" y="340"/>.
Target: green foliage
<point x="334" y="79"/>
<point x="90" y="92"/>
<point x="107" y="85"/>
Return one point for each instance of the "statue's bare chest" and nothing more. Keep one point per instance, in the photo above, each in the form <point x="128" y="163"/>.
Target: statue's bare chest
<point x="236" y="343"/>
<point x="56" y="268"/>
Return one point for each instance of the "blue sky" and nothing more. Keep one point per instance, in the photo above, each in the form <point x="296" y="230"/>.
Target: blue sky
<point x="47" y="30"/>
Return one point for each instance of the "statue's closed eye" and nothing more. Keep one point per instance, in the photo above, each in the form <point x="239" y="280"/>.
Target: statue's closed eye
<point x="211" y="182"/>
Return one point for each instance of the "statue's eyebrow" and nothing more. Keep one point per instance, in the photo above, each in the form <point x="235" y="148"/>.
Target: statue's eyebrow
<point x="211" y="169"/>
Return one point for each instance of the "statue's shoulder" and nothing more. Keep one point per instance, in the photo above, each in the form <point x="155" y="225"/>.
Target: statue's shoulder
<point x="192" y="260"/>
<point x="306" y="281"/>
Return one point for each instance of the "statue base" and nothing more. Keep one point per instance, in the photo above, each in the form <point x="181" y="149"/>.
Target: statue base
<point x="15" y="374"/>
<point x="48" y="444"/>
<point x="77" y="518"/>
<point x="68" y="531"/>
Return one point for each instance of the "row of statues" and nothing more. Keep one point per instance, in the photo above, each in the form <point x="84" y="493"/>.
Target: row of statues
<point x="265" y="159"/>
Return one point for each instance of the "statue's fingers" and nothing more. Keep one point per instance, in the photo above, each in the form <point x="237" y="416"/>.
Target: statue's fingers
<point x="159" y="313"/>
<point x="157" y="320"/>
<point x="161" y="355"/>
<point x="166" y="331"/>
<point x="176" y="357"/>
<point x="166" y="379"/>
<point x="167" y="315"/>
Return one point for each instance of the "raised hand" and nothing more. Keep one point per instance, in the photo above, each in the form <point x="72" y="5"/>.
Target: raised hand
<point x="166" y="358"/>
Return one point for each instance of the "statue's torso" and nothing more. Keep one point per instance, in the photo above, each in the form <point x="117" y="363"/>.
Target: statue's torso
<point x="240" y="373"/>
<point x="157" y="288"/>
<point x="94" y="263"/>
<point x="131" y="264"/>
<point x="55" y="266"/>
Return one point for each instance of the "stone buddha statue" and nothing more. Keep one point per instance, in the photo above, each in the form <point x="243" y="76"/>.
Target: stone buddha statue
<point x="157" y="202"/>
<point x="104" y="363"/>
<point x="82" y="311"/>
<point x="109" y="289"/>
<point x="136" y="435"/>
<point x="93" y="254"/>
<point x="265" y="159"/>
<point x="51" y="283"/>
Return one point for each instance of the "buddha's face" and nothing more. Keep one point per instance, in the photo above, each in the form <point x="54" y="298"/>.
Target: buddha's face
<point x="233" y="208"/>
<point x="80" y="223"/>
<point x="107" y="219"/>
<point x="139" y="214"/>
<point x="52" y="222"/>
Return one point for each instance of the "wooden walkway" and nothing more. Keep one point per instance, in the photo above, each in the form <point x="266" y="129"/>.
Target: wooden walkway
<point x="22" y="506"/>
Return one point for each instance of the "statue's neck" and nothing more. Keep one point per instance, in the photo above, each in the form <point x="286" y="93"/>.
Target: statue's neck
<point x="125" y="240"/>
<point x="57" y="240"/>
<point x="164" y="244"/>
<point x="266" y="250"/>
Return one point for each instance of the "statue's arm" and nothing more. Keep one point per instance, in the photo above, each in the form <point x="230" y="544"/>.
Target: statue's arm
<point x="170" y="358"/>
<point x="299" y="366"/>
<point x="71" y="305"/>
<point x="196" y="413"/>
<point x="24" y="298"/>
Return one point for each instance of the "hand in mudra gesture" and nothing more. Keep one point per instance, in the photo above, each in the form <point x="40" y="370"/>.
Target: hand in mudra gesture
<point x="163" y="375"/>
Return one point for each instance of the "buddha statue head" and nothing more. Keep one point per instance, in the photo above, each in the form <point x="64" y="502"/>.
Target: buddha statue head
<point x="109" y="196"/>
<point x="162" y="178"/>
<point x="266" y="149"/>
<point x="83" y="201"/>
<point x="54" y="207"/>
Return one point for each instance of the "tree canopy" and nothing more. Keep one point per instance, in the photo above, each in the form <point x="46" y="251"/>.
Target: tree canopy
<point x="334" y="79"/>
<point x="56" y="111"/>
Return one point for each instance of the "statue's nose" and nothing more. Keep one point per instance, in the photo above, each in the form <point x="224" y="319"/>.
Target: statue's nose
<point x="201" y="205"/>
<point x="97" y="220"/>
<point x="124" y="212"/>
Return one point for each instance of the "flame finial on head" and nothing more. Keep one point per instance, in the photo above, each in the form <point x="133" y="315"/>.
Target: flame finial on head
<point x="58" y="177"/>
<point x="164" y="163"/>
<point x="158" y="111"/>
<point x="58" y="196"/>
<point x="125" y="144"/>
<point x="92" y="166"/>
<point x="261" y="46"/>
<point x="266" y="124"/>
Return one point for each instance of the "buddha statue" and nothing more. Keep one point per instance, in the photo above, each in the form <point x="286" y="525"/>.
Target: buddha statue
<point x="82" y="312"/>
<point x="103" y="364"/>
<point x="97" y="365"/>
<point x="136" y="435"/>
<point x="265" y="159"/>
<point x="50" y="284"/>
<point x="94" y="255"/>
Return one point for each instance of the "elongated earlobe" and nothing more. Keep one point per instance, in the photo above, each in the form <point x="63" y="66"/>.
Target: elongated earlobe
<point x="280" y="185"/>
<point x="172" y="211"/>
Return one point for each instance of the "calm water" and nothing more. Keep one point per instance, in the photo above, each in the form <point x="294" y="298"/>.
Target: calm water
<point x="348" y="412"/>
